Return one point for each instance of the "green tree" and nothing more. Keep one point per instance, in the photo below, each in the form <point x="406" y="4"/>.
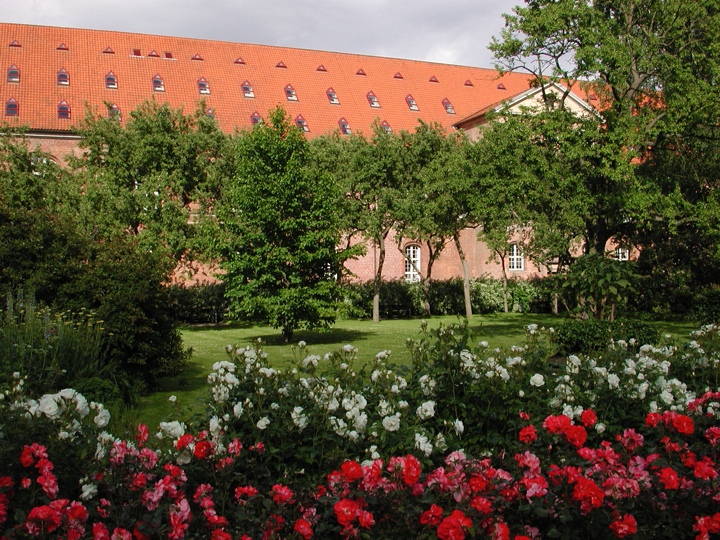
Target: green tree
<point x="652" y="66"/>
<point x="371" y="181"/>
<point x="279" y="231"/>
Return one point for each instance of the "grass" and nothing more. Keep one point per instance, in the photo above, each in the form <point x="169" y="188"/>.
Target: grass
<point x="209" y="342"/>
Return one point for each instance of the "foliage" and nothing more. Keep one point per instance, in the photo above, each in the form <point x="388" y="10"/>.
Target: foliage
<point x="67" y="249"/>
<point x="645" y="172"/>
<point x="278" y="232"/>
<point x="616" y="448"/>
<point x="403" y="299"/>
<point x="59" y="350"/>
<point x="595" y="286"/>
<point x="593" y="336"/>
<point x="198" y="304"/>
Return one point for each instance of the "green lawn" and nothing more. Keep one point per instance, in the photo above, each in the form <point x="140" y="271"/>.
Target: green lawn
<point x="208" y="344"/>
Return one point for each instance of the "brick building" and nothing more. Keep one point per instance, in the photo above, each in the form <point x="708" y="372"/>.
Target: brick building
<point x="53" y="74"/>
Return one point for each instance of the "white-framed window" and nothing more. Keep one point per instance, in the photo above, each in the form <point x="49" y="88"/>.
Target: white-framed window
<point x="622" y="254"/>
<point x="412" y="104"/>
<point x="373" y="100"/>
<point x="290" y="93"/>
<point x="412" y="263"/>
<point x="203" y="86"/>
<point x="158" y="84"/>
<point x="13" y="74"/>
<point x="248" y="90"/>
<point x="516" y="260"/>
<point x="344" y="127"/>
<point x="332" y="97"/>
<point x="111" y="80"/>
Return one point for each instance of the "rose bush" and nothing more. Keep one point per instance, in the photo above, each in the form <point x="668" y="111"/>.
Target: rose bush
<point x="535" y="464"/>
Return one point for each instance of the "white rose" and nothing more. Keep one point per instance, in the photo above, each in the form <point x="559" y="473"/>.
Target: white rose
<point x="263" y="422"/>
<point x="537" y="380"/>
<point x="391" y="423"/>
<point x="48" y="406"/>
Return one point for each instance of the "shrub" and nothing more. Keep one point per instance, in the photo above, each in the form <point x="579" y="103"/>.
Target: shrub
<point x="592" y="335"/>
<point x="199" y="304"/>
<point x="57" y="350"/>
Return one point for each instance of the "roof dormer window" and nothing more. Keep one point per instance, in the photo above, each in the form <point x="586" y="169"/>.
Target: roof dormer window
<point x="136" y="52"/>
<point x="63" y="110"/>
<point x="255" y="118"/>
<point x="158" y="84"/>
<point x="63" y="78"/>
<point x="168" y="55"/>
<point x="14" y="43"/>
<point x="321" y="68"/>
<point x="197" y="57"/>
<point x="332" y="97"/>
<point x="301" y="123"/>
<point x="12" y="108"/>
<point x="344" y="127"/>
<point x="154" y="54"/>
<point x="412" y="104"/>
<point x="114" y="112"/>
<point x="108" y="50"/>
<point x="385" y="126"/>
<point x="63" y="47"/>
<point x="210" y="113"/>
<point x="373" y="100"/>
<point x="281" y="64"/>
<point x="203" y="86"/>
<point x="248" y="90"/>
<point x="239" y="60"/>
<point x="448" y="106"/>
<point x="111" y="80"/>
<point x="290" y="93"/>
<point x="398" y="75"/>
<point x="13" y="74"/>
<point x="434" y="79"/>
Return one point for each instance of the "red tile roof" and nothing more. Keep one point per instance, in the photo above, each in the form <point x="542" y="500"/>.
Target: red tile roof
<point x="89" y="55"/>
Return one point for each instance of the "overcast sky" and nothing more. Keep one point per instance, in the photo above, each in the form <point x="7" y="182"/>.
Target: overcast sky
<point x="447" y="31"/>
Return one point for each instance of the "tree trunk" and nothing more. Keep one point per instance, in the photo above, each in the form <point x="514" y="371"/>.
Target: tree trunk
<point x="378" y="276"/>
<point x="504" y="282"/>
<point x="466" y="277"/>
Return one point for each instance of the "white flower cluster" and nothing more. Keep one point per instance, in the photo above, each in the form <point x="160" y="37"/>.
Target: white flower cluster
<point x="641" y="378"/>
<point x="222" y="381"/>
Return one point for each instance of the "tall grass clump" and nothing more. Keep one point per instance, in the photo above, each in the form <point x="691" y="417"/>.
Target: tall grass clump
<point x="57" y="350"/>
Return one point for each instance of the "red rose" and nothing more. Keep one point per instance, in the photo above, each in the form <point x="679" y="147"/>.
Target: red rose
<point x="203" y="449"/>
<point x="431" y="516"/>
<point x="588" y="418"/>
<point x="451" y="528"/>
<point x="346" y="511"/>
<point x="411" y="470"/>
<point x="576" y="435"/>
<point x="281" y="494"/>
<point x="366" y="519"/>
<point x="683" y="424"/>
<point x="481" y="504"/>
<point x="556" y="424"/>
<point x="528" y="434"/>
<point x="183" y="441"/>
<point x="624" y="527"/>
<point x="351" y="470"/>
<point x="303" y="528"/>
<point x="669" y="478"/>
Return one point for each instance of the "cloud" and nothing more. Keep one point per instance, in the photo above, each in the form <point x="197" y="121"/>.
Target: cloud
<point x="448" y="31"/>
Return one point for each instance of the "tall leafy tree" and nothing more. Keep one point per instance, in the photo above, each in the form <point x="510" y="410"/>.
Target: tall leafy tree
<point x="652" y="66"/>
<point x="279" y="231"/>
